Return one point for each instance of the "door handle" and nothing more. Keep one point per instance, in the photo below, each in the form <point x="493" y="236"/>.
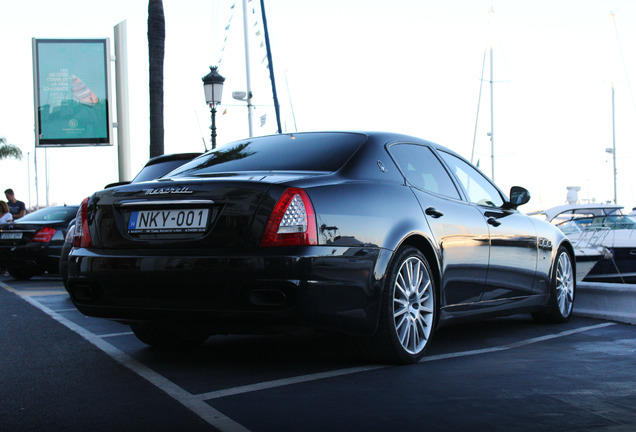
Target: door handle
<point x="493" y="221"/>
<point x="433" y="212"/>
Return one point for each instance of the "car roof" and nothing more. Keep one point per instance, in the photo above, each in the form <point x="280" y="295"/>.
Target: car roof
<point x="375" y="136"/>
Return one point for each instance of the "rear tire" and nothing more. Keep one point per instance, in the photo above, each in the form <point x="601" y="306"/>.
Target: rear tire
<point x="409" y="310"/>
<point x="166" y="336"/>
<point x="562" y="290"/>
<point x="20" y="274"/>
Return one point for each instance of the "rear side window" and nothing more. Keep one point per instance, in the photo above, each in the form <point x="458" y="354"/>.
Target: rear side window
<point x="423" y="170"/>
<point x="289" y="152"/>
<point x="151" y="172"/>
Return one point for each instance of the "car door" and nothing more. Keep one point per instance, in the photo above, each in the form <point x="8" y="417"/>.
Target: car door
<point x="513" y="239"/>
<point x="459" y="228"/>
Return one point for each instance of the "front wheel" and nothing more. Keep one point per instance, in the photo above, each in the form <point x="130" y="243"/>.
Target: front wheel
<point x="409" y="310"/>
<point x="562" y="289"/>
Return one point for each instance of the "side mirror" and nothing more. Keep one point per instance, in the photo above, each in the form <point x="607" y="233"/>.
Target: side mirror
<point x="518" y="196"/>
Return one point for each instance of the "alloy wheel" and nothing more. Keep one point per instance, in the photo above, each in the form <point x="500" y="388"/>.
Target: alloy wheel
<point x="565" y="284"/>
<point x="413" y="305"/>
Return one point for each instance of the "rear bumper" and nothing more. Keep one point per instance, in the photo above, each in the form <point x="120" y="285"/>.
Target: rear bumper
<point x="34" y="257"/>
<point x="318" y="287"/>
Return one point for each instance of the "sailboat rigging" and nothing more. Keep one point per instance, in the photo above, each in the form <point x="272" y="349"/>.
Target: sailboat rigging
<point x="491" y="134"/>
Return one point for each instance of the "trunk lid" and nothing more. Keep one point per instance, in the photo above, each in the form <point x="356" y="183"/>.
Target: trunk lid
<point x="16" y="234"/>
<point x="222" y="211"/>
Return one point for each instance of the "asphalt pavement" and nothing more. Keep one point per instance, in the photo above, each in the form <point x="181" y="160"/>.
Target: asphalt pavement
<point x="52" y="379"/>
<point x="60" y="370"/>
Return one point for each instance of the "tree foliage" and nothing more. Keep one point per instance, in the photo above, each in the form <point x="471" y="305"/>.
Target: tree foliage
<point x="9" y="150"/>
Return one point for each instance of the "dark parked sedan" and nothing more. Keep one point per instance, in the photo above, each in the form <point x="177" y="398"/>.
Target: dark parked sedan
<point x="32" y="244"/>
<point x="379" y="235"/>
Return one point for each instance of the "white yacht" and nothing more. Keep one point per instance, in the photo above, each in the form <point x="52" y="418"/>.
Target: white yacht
<point x="601" y="229"/>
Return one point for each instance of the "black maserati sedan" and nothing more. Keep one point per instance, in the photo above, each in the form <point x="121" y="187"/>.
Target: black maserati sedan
<point x="32" y="244"/>
<point x="379" y="235"/>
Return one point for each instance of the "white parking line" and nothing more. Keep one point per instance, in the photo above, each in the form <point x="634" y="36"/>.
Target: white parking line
<point x="324" y="375"/>
<point x="197" y="404"/>
<point x="109" y="335"/>
<point x="516" y="344"/>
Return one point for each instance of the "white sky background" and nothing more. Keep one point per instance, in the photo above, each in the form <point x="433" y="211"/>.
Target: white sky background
<point x="409" y="66"/>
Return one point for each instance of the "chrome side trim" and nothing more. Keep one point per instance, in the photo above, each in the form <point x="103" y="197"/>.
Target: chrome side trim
<point x="165" y="202"/>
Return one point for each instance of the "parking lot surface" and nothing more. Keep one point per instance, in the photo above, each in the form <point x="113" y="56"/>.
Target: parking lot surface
<point x="63" y="371"/>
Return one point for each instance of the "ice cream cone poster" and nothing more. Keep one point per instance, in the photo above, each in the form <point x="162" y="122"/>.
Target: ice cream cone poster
<point x="71" y="91"/>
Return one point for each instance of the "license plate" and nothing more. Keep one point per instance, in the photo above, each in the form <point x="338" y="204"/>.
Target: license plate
<point x="168" y="221"/>
<point x="11" y="236"/>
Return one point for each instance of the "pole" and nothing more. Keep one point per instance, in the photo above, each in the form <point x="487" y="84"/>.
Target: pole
<point x="213" y="127"/>
<point x="123" y="107"/>
<point x="271" y="67"/>
<point x="247" y="70"/>
<point x="35" y="166"/>
<point x="291" y="105"/>
<point x="46" y="174"/>
<point x="614" y="144"/>
<point x="492" y="118"/>
<point x="29" y="176"/>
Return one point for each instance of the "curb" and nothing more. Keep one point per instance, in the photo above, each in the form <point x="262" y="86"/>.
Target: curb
<point x="614" y="302"/>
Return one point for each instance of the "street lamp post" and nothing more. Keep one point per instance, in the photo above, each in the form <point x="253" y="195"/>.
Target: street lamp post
<point x="213" y="87"/>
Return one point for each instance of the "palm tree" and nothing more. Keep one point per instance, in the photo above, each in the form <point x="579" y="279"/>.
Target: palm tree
<point x="9" y="150"/>
<point x="156" y="49"/>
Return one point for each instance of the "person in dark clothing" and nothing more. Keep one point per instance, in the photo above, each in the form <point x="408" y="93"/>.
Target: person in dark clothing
<point x="16" y="207"/>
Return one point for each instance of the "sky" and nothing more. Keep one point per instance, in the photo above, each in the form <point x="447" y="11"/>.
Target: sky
<point x="408" y="66"/>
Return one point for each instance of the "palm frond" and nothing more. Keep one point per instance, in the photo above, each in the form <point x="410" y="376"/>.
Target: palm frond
<point x="9" y="150"/>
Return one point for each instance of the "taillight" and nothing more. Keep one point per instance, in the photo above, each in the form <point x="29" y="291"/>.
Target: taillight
<point x="292" y="222"/>
<point x="44" y="235"/>
<point x="82" y="236"/>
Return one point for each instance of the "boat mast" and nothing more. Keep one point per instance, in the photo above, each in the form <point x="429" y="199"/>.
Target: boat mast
<point x="492" y="99"/>
<point x="614" y="143"/>
<point x="270" y="65"/>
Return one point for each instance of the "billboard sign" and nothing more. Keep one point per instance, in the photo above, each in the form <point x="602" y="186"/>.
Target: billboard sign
<point x="72" y="92"/>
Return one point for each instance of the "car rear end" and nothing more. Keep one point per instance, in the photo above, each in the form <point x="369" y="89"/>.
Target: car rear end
<point x="229" y="249"/>
<point x="32" y="245"/>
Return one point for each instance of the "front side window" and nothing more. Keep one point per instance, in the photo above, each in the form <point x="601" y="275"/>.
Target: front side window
<point x="423" y="170"/>
<point x="479" y="189"/>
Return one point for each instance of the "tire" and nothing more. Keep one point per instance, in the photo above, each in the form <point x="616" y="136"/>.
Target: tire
<point x="562" y="289"/>
<point x="166" y="336"/>
<point x="20" y="274"/>
<point x="409" y="310"/>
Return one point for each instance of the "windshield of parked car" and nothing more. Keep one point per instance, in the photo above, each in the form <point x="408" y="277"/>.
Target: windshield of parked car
<point x="50" y="214"/>
<point x="322" y="151"/>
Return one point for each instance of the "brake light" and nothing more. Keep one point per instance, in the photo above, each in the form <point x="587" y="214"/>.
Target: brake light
<point x="82" y="236"/>
<point x="44" y="235"/>
<point x="292" y="222"/>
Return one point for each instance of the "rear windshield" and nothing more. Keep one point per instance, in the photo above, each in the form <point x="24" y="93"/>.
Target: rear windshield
<point x="151" y="172"/>
<point x="50" y="214"/>
<point x="323" y="151"/>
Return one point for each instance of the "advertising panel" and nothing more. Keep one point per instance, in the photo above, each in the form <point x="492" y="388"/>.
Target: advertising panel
<point x="72" y="92"/>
